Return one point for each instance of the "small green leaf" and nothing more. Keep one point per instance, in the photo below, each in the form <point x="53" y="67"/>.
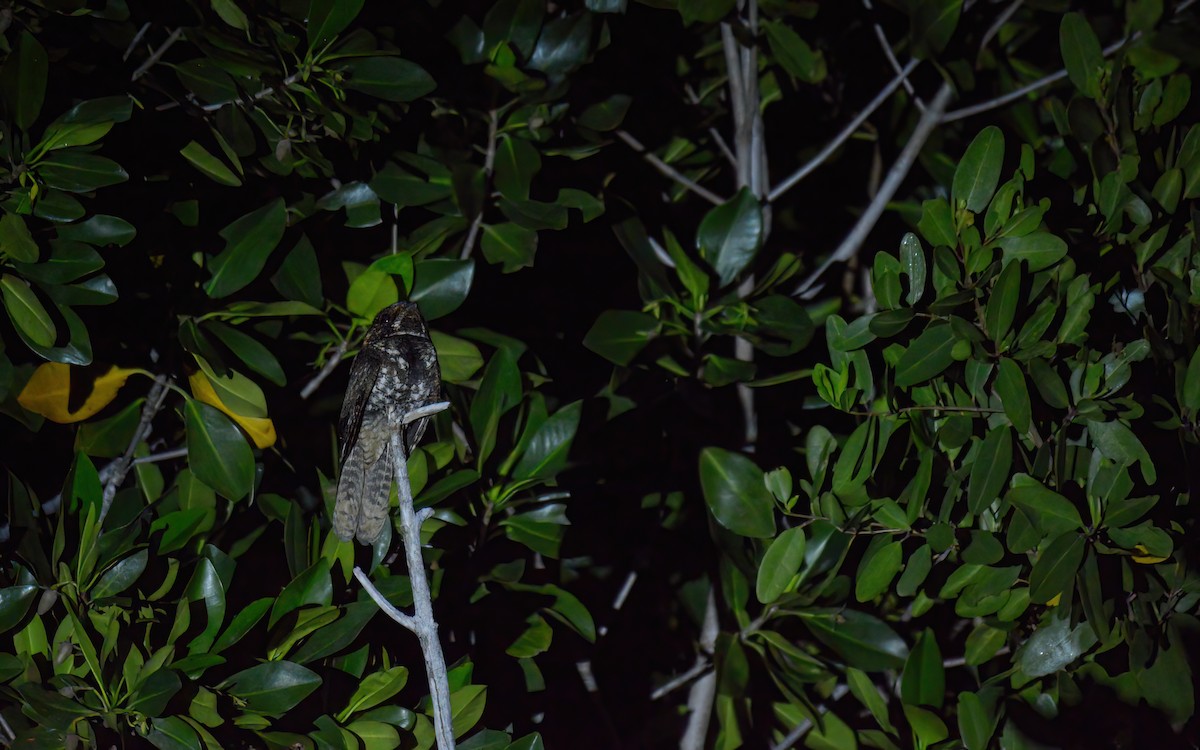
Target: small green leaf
<point x="1056" y="566"/>
<point x="779" y="565"/>
<point x="374" y="690"/>
<point x="618" y="335"/>
<point x="978" y="172"/>
<point x="1081" y="53"/>
<point x="510" y="245"/>
<point x="1117" y="442"/>
<point x="730" y="234"/>
<point x="16" y="243"/>
<point x="211" y="166"/>
<point x="1053" y="646"/>
<point x="912" y="260"/>
<point x="26" y="311"/>
<point x="734" y="490"/>
<point x="868" y="694"/>
<point x="937" y="223"/>
<point x="389" y="78"/>
<point x="217" y="451"/>
<point x="77" y="171"/>
<point x="299" y="276"/>
<point x="932" y="24"/>
<point x="1002" y="303"/>
<point x="547" y="451"/>
<point x="14" y="603"/>
<point x="99" y="230"/>
<point x="231" y="14"/>
<point x="328" y="18"/>
<point x="794" y="54"/>
<point x="1053" y="513"/>
<point x="1039" y="249"/>
<point x="459" y="359"/>
<point x="926" y="357"/>
<point x="990" y="470"/>
<point x="606" y="115"/>
<point x="1191" y="384"/>
<point x="274" y="687"/>
<point x="120" y="576"/>
<point x="876" y="571"/>
<point x="924" y="680"/>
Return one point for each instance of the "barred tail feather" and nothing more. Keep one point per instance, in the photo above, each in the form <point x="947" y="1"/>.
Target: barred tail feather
<point x="349" y="494"/>
<point x="375" y="497"/>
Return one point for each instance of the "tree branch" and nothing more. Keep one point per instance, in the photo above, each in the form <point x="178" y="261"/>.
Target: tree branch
<point x="327" y="369"/>
<point x="802" y="728"/>
<point x="704" y="690"/>
<point x="154" y="402"/>
<point x="891" y="183"/>
<point x="489" y="162"/>
<point x="136" y="38"/>
<point x="157" y="54"/>
<point x="807" y="168"/>
<point x="421" y="622"/>
<point x="886" y="46"/>
<point x="668" y="170"/>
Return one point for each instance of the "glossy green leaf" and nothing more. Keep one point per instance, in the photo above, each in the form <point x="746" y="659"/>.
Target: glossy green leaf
<point x="14" y="603"/>
<point x="990" y="470"/>
<point x="1014" y="394"/>
<point x="1002" y="303"/>
<point x="120" y="576"/>
<point x="389" y="78"/>
<point x="1055" y="568"/>
<point x="926" y="357"/>
<point x="868" y="694"/>
<point x="466" y="707"/>
<point x="299" y="276"/>
<point x="877" y="570"/>
<point x="780" y="564"/>
<point x="618" y="335"/>
<point x="99" y="230"/>
<point x="459" y="359"/>
<point x="517" y="161"/>
<point x="248" y="243"/>
<point x="1081" y="53"/>
<point x="26" y="311"/>
<point x="156" y="692"/>
<point x="23" y="80"/>
<point x="77" y="171"/>
<point x="274" y="687"/>
<point x="370" y="292"/>
<point x="1039" y="249"/>
<point x="328" y="18"/>
<point x="209" y="165"/>
<point x="1191" y="383"/>
<point x="912" y="260"/>
<point x="546" y="453"/>
<point x="1117" y="442"/>
<point x="736" y="494"/>
<point x="932" y="24"/>
<point x="173" y="733"/>
<point x="606" y="115"/>
<point x="440" y="285"/>
<point x="374" y="690"/>
<point x="924" y="680"/>
<point x="509" y="245"/>
<point x="16" y="243"/>
<point x="937" y="223"/>
<point x="251" y="351"/>
<point x="863" y="640"/>
<point x="794" y="54"/>
<point x="730" y="235"/>
<point x="217" y="451"/>
<point x="313" y="586"/>
<point x="978" y="171"/>
<point x="1053" y="646"/>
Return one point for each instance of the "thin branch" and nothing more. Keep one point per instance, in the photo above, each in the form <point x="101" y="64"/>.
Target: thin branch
<point x="891" y="183"/>
<point x="808" y="167"/>
<point x="421" y="622"/>
<point x="668" y="170"/>
<point x="886" y="46"/>
<point x="961" y="661"/>
<point x="164" y="456"/>
<point x="157" y="54"/>
<point x="136" y="38"/>
<point x="1001" y="19"/>
<point x="802" y="728"/>
<point x="154" y="402"/>
<point x="701" y="666"/>
<point x="722" y="146"/>
<point x="330" y="365"/>
<point x="704" y="690"/>
<point x="258" y="95"/>
<point x="489" y="162"/>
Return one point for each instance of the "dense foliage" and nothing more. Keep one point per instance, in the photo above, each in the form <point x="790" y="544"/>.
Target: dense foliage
<point x="820" y="374"/>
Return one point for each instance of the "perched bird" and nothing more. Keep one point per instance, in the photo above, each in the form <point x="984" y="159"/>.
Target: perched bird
<point x="395" y="372"/>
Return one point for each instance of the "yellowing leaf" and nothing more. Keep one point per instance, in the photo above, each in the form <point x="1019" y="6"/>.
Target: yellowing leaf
<point x="260" y="429"/>
<point x="48" y="392"/>
<point x="1055" y="600"/>
<point x="1145" y="558"/>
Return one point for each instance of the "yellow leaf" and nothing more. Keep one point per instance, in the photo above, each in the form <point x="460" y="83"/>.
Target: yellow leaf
<point x="260" y="429"/>
<point x="49" y="390"/>
<point x="1055" y="601"/>
<point x="1145" y="558"/>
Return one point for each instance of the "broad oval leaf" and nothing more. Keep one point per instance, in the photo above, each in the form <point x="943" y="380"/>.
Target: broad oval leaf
<point x="547" y="451"/>
<point x="924" y="679"/>
<point x="978" y="171"/>
<point x="618" y="335"/>
<point x="217" y="452"/>
<point x="779" y="565"/>
<point x="730" y="234"/>
<point x="927" y="356"/>
<point x="1014" y="394"/>
<point x="736" y="493"/>
<point x="1038" y="249"/>
<point x="440" y="285"/>
<point x="863" y="640"/>
<point x="1081" y="53"/>
<point x="120" y="576"/>
<point x="876" y="572"/>
<point x="1056" y="566"/>
<point x="990" y="470"/>
<point x="274" y="687"/>
<point x="26" y="311"/>
<point x="390" y="78"/>
<point x="248" y="243"/>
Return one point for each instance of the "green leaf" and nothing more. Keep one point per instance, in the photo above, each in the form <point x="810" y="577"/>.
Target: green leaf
<point x="1038" y="249"/>
<point x="932" y="24"/>
<point x="736" y="494"/>
<point x="173" y="733"/>
<point x="274" y="687"/>
<point x="1014" y="394"/>
<point x="14" y="603"/>
<point x="77" y="171"/>
<point x="978" y="171"/>
<point x="245" y="619"/>
<point x="1056" y="566"/>
<point x="990" y="470"/>
<point x="618" y="335"/>
<point x="547" y="451"/>
<point x="868" y="694"/>
<point x="1053" y="646"/>
<point x="217" y="451"/>
<point x="1054" y="513"/>
<point x="120" y="576"/>
<point x="248" y="243"/>
<point x="256" y="356"/>
<point x="937" y="223"/>
<point x="459" y="359"/>
<point x="1117" y="442"/>
<point x="779" y="565"/>
<point x="794" y="54"/>
<point x="374" y="690"/>
<point x="440" y="285"/>
<point x="912" y="261"/>
<point x="16" y="243"/>
<point x="231" y="14"/>
<point x="924" y="680"/>
<point x="155" y="692"/>
<point x="606" y="115"/>
<point x="864" y="641"/>
<point x="517" y="161"/>
<point x="328" y="18"/>
<point x="1081" y="53"/>
<point x="730" y="234"/>
<point x="926" y="725"/>
<point x="499" y="391"/>
<point x="563" y="45"/>
<point x="1191" y="384"/>
<point x="26" y="311"/>
<point x="100" y="230"/>
<point x="313" y="586"/>
<point x="927" y="356"/>
<point x="23" y="80"/>
<point x="876" y="571"/>
<point x="299" y="276"/>
<point x="370" y="292"/>
<point x="1002" y="303"/>
<point x="389" y="78"/>
<point x="211" y="166"/>
<point x="508" y="244"/>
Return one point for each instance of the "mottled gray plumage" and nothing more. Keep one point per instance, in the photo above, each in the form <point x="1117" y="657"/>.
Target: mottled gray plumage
<point x="396" y="367"/>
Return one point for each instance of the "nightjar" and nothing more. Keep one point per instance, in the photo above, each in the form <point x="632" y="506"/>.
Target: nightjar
<point x="396" y="367"/>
